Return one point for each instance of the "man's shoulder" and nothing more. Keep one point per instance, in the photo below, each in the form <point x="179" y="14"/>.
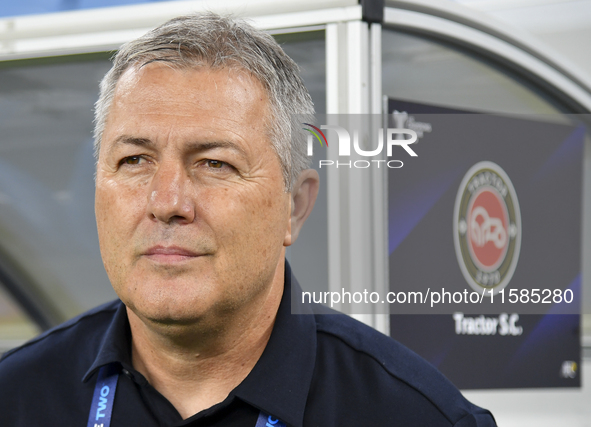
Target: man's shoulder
<point x="59" y="343"/>
<point x="381" y="366"/>
<point x="396" y="359"/>
<point x="43" y="379"/>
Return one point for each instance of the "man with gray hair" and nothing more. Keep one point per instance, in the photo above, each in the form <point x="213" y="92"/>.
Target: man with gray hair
<point x="198" y="193"/>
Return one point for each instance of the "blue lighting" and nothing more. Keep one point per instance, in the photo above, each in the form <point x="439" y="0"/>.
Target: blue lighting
<point x="33" y="7"/>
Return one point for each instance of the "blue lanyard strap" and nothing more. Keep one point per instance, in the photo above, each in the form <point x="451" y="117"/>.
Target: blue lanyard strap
<point x="268" y="421"/>
<point x="104" y="395"/>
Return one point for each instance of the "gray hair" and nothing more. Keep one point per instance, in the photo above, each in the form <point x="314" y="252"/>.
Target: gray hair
<point x="210" y="40"/>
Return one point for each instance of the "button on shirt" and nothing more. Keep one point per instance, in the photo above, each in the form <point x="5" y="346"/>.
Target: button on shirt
<point x="317" y="370"/>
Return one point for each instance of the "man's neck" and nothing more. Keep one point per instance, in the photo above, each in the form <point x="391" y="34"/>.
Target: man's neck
<point x="200" y="369"/>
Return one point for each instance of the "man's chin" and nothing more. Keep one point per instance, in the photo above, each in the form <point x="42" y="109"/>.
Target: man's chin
<point x="183" y="314"/>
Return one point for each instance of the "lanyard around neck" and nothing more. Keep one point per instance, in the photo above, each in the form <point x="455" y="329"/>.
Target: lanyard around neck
<point x="104" y="395"/>
<point x="101" y="408"/>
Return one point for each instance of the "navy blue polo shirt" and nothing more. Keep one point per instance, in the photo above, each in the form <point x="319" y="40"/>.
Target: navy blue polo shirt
<point x="317" y="370"/>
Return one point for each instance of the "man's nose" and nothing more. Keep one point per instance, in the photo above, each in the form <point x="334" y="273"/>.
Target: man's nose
<point x="169" y="198"/>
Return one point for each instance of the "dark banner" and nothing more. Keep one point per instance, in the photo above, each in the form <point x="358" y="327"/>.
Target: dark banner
<point x="490" y="206"/>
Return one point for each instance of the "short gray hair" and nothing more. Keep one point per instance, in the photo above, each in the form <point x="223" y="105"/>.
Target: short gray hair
<point x="214" y="41"/>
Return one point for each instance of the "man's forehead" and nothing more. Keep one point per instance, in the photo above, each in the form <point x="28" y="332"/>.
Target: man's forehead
<point x="223" y="101"/>
<point x="158" y="83"/>
<point x="153" y="70"/>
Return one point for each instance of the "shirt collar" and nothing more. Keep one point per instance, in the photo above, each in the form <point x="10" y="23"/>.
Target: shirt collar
<point x="278" y="384"/>
<point x="115" y="346"/>
<point x="280" y="381"/>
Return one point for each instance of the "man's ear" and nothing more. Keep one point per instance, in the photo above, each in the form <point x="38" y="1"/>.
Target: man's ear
<point x="303" y="197"/>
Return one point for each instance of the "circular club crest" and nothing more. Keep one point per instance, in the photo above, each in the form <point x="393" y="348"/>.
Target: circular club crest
<point x="487" y="227"/>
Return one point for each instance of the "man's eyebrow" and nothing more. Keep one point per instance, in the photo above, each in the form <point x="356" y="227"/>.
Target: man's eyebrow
<point x="126" y="139"/>
<point x="211" y="145"/>
<point x="191" y="146"/>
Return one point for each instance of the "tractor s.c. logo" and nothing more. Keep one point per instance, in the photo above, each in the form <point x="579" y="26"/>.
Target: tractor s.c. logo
<point x="487" y="227"/>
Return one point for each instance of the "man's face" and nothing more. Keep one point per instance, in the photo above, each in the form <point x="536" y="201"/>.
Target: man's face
<point x="191" y="209"/>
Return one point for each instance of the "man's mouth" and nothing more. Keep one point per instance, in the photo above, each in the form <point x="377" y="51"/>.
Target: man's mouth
<point x="170" y="254"/>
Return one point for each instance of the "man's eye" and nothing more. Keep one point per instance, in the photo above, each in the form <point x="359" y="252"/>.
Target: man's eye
<point x="215" y="164"/>
<point x="131" y="160"/>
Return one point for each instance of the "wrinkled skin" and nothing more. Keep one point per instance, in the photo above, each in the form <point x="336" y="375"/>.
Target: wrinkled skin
<point x="191" y="209"/>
